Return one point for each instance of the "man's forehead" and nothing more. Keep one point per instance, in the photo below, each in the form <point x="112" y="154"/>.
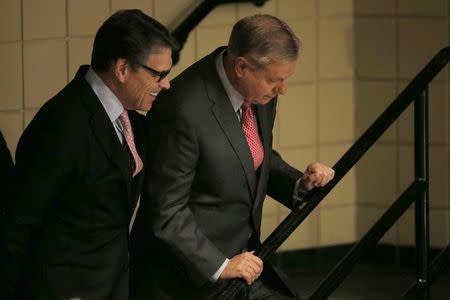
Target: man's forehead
<point x="280" y="69"/>
<point x="161" y="58"/>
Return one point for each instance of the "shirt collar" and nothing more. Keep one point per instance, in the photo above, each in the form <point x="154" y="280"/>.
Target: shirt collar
<point x="235" y="97"/>
<point x="107" y="98"/>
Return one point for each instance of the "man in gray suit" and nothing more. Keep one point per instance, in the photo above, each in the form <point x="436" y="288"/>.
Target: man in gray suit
<point x="213" y="165"/>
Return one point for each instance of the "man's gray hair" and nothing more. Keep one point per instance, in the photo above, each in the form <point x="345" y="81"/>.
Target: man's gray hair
<point x="263" y="39"/>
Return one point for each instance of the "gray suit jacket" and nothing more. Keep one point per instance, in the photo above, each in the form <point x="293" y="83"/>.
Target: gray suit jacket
<point x="205" y="199"/>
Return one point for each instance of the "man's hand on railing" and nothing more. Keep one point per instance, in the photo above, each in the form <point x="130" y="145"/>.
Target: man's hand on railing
<point x="245" y="265"/>
<point x="316" y="175"/>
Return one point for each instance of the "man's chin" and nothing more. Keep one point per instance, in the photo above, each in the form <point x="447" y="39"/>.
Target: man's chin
<point x="148" y="104"/>
<point x="266" y="100"/>
<point x="148" y="107"/>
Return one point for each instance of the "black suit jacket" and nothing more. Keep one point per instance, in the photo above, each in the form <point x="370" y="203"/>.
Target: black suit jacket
<point x="206" y="199"/>
<point x="68" y="234"/>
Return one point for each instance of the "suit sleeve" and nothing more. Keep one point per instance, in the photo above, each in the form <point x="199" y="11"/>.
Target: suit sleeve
<point x="282" y="177"/>
<point x="43" y="158"/>
<point x="169" y="186"/>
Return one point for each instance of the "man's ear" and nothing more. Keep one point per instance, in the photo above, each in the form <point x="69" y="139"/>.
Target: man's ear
<point x="121" y="69"/>
<point x="240" y="66"/>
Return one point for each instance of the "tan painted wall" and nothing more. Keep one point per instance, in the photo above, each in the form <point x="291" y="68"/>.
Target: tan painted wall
<point x="394" y="40"/>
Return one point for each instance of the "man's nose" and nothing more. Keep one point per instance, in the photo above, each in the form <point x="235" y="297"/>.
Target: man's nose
<point x="165" y="83"/>
<point x="282" y="87"/>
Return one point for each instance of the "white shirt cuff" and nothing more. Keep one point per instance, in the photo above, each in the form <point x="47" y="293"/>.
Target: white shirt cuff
<point x="219" y="272"/>
<point x="298" y="193"/>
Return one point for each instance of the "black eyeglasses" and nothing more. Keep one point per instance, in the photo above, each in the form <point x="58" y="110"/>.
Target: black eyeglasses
<point x="160" y="74"/>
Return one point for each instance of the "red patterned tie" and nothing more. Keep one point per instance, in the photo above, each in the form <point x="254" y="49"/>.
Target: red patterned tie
<point x="128" y="135"/>
<point x="251" y="134"/>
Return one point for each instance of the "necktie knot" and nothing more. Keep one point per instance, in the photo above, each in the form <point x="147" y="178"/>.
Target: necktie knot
<point x="129" y="138"/>
<point x="245" y="105"/>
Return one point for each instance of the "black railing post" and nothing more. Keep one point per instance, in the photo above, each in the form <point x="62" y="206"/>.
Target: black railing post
<point x="421" y="205"/>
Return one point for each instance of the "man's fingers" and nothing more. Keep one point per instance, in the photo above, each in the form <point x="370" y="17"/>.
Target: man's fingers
<point x="317" y="175"/>
<point x="245" y="265"/>
<point x="255" y="259"/>
<point x="255" y="269"/>
<point x="247" y="275"/>
<point x="251" y="267"/>
<point x="254" y="263"/>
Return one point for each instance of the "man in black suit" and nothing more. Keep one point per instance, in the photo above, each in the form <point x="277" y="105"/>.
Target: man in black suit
<point x="80" y="166"/>
<point x="213" y="166"/>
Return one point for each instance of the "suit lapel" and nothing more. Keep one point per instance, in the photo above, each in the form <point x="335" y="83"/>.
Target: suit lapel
<point x="139" y="139"/>
<point x="230" y="125"/>
<point x="262" y="126"/>
<point x="138" y="132"/>
<point x="108" y="140"/>
<point x="104" y="131"/>
<point x="226" y="117"/>
<point x="264" y="131"/>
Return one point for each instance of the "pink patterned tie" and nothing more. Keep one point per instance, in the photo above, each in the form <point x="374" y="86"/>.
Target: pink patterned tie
<point x="251" y="135"/>
<point x="128" y="134"/>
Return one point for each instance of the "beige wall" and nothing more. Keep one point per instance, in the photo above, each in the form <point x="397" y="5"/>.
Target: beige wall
<point x="357" y="55"/>
<point x="394" y="40"/>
